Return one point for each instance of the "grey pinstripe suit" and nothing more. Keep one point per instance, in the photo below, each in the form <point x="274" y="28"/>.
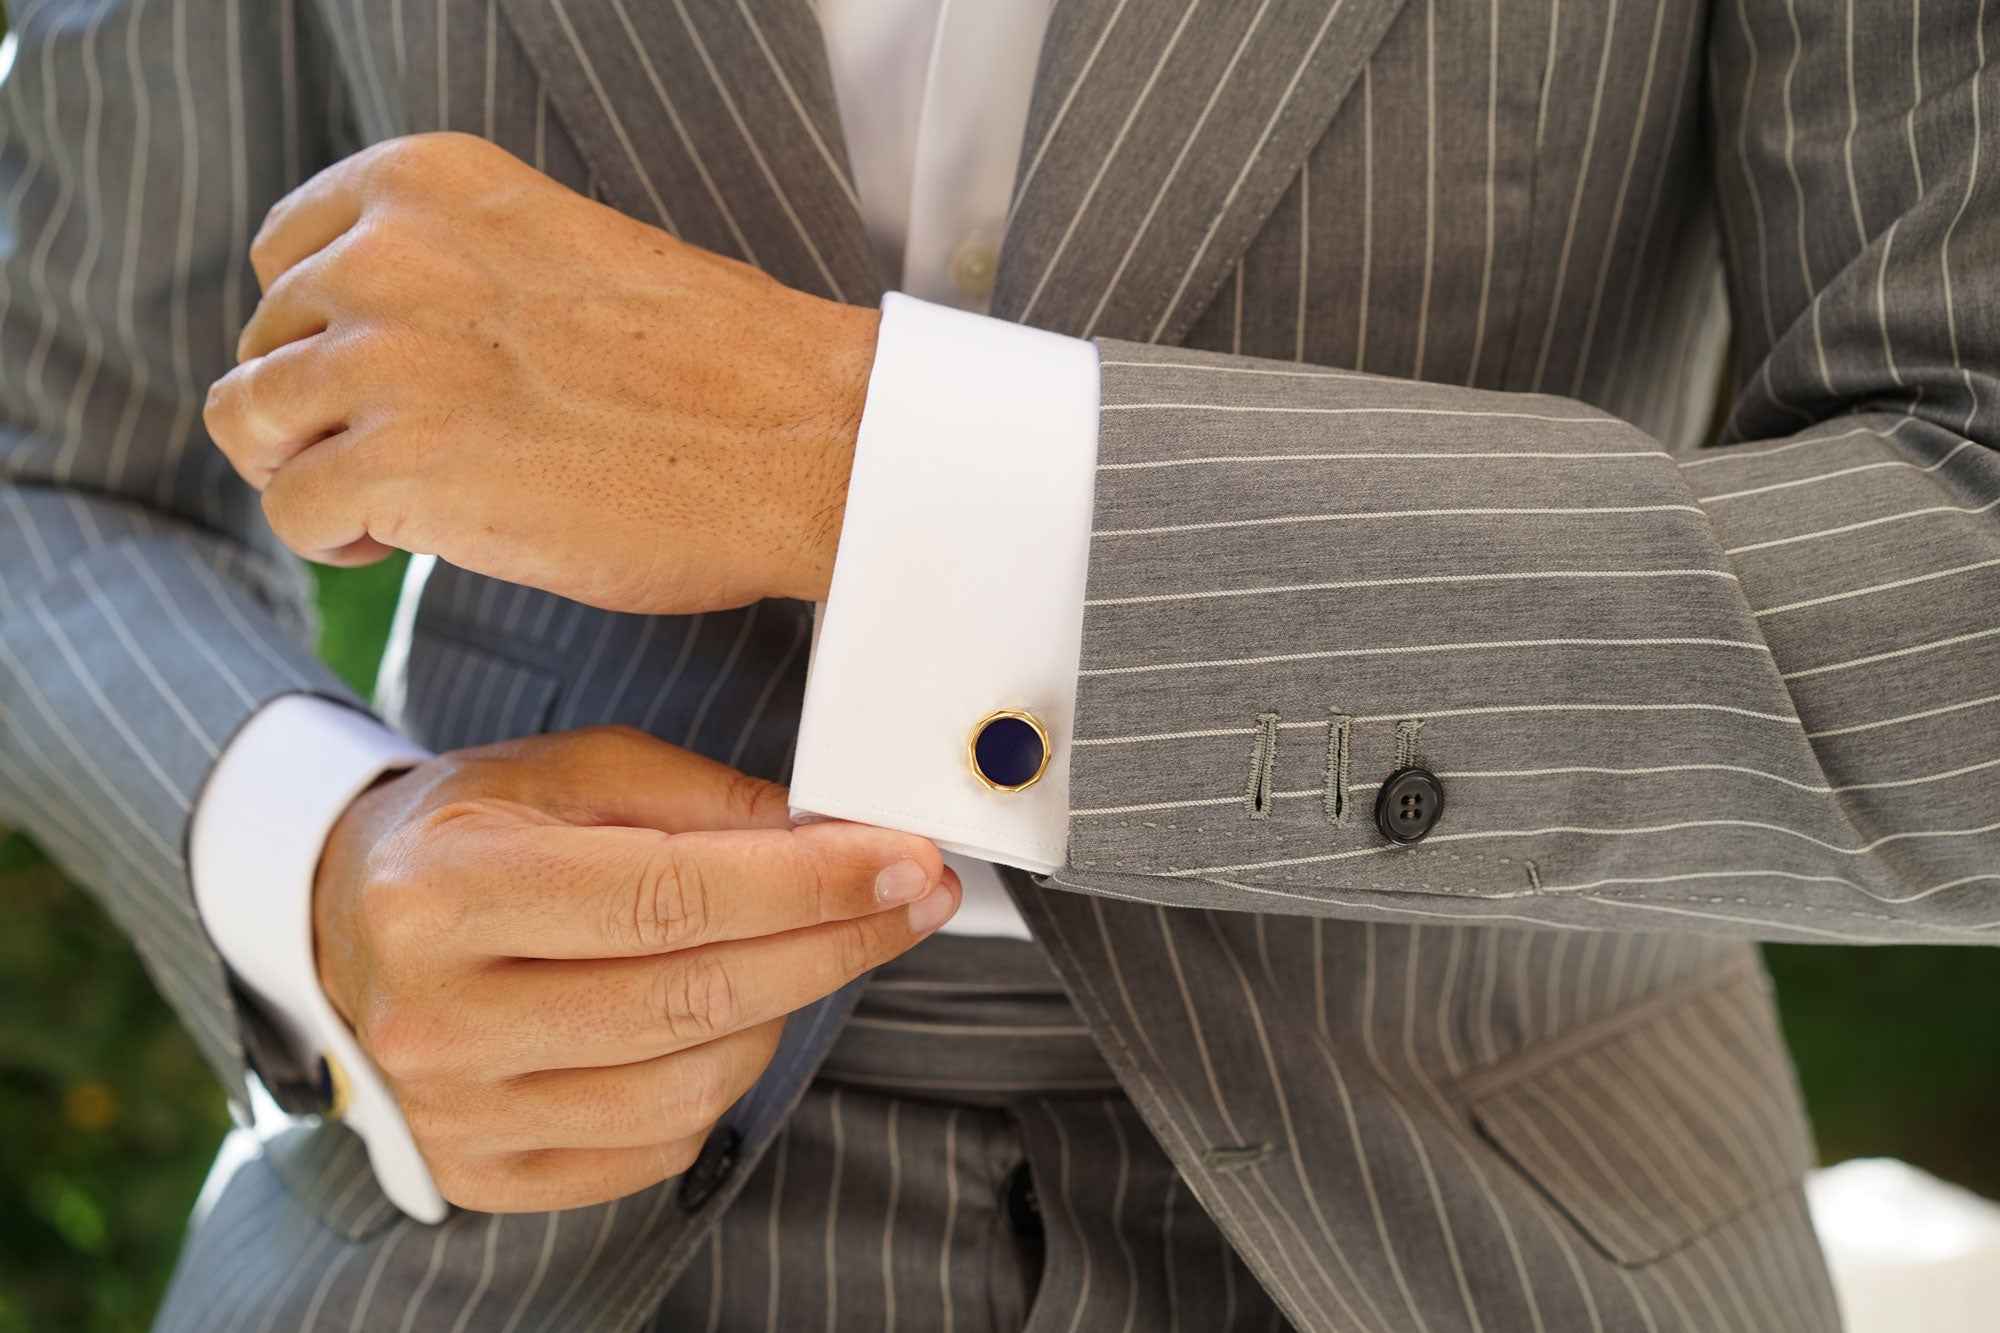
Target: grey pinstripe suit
<point x="1412" y="314"/>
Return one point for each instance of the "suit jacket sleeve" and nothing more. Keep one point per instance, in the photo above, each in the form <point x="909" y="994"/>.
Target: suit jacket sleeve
<point x="1751" y="689"/>
<point x="145" y="613"/>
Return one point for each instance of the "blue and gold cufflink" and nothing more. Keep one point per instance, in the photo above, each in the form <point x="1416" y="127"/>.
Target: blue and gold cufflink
<point x="1008" y="750"/>
<point x="331" y="1084"/>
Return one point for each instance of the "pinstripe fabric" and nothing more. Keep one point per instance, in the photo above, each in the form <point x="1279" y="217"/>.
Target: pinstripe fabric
<point x="874" y="1210"/>
<point x="1738" y="689"/>
<point x="1423" y="306"/>
<point x="1463" y="1129"/>
<point x="145" y="611"/>
<point x="883" y="1205"/>
<point x="876" y="1215"/>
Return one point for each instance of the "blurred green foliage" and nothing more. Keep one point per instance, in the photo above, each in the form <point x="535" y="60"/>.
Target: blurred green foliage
<point x="108" y="1120"/>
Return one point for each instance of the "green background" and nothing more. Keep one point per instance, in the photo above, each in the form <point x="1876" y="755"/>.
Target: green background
<point x="108" y="1119"/>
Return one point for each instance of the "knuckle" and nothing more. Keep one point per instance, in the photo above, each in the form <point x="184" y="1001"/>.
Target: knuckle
<point x="613" y="733"/>
<point x="401" y="161"/>
<point x="404" y="1042"/>
<point x="223" y="409"/>
<point x="298" y="285"/>
<point x="453" y="811"/>
<point x="693" y="1099"/>
<point x="287" y="506"/>
<point x="382" y="905"/>
<point x="756" y="798"/>
<point x="264" y="244"/>
<point x="672" y="903"/>
<point x="857" y="946"/>
<point x="405" y="917"/>
<point x="697" y="1000"/>
<point x="825" y="885"/>
<point x="677" y="1159"/>
<point x="433" y="1121"/>
<point x="706" y="1096"/>
<point x="373" y="246"/>
<point x="468" y="1183"/>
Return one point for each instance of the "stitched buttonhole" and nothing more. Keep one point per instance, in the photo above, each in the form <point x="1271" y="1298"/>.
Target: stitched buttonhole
<point x="1263" y="758"/>
<point x="1339" y="732"/>
<point x="1406" y="742"/>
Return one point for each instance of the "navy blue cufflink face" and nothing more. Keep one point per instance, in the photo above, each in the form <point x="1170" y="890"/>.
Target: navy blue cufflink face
<point x="1008" y="750"/>
<point x="331" y="1086"/>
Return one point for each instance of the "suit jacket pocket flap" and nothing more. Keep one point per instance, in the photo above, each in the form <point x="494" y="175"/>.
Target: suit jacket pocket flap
<point x="1654" y="1126"/>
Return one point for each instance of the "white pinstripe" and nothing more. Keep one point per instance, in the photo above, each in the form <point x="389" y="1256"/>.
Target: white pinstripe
<point x="1217" y="525"/>
<point x="750" y="140"/>
<point x="1816" y="478"/>
<point x="1430" y="580"/>
<point x="1622" y="194"/>
<point x="1878" y="587"/>
<point x="1167" y="181"/>
<point x="1864" y="524"/>
<point x="1104" y="164"/>
<point x="617" y="125"/>
<point x="1472" y="646"/>
<point x="1577" y="196"/>
<point x="1236" y="186"/>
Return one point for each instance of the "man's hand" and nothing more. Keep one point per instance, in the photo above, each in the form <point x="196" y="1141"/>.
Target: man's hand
<point x="456" y="355"/>
<point x="566" y="975"/>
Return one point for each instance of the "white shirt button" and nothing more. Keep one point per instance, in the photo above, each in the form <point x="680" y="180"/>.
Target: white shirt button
<point x="973" y="266"/>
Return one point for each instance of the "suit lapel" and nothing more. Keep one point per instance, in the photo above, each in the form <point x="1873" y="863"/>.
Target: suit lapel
<point x="1159" y="138"/>
<point x="715" y="120"/>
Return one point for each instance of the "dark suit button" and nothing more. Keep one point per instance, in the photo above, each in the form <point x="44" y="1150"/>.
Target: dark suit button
<point x="1409" y="806"/>
<point x="713" y="1166"/>
<point x="1024" y="1214"/>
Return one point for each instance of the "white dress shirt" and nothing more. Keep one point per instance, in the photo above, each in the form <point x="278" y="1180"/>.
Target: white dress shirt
<point x="957" y="591"/>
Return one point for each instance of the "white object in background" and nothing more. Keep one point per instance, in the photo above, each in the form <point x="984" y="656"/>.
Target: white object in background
<point x="1909" y="1253"/>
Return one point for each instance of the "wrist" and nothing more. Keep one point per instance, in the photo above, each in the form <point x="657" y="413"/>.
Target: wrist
<point x="847" y="358"/>
<point x="336" y="945"/>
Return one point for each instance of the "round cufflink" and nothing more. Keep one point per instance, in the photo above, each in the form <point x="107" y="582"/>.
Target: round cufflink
<point x="1008" y="750"/>
<point x="332" y="1086"/>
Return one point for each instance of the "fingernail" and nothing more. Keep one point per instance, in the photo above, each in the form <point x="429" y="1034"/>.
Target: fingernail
<point x="901" y="881"/>
<point x="927" y="914"/>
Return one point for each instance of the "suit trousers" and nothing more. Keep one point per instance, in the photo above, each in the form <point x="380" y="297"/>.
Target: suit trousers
<point x="965" y="1161"/>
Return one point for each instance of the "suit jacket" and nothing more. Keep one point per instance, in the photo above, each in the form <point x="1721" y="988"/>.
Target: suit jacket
<point x="1412" y="316"/>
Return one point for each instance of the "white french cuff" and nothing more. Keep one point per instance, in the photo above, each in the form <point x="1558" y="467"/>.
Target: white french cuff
<point x="959" y="584"/>
<point x="254" y="846"/>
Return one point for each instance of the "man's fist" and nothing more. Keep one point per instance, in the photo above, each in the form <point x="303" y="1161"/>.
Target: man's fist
<point x="456" y="355"/>
<point x="569" y="955"/>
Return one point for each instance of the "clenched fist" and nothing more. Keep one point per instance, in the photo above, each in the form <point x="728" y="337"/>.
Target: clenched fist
<point x="456" y="355"/>
<point x="570" y="954"/>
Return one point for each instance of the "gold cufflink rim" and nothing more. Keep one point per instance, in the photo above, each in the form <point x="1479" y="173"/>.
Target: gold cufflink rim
<point x="340" y="1089"/>
<point x="979" y="729"/>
